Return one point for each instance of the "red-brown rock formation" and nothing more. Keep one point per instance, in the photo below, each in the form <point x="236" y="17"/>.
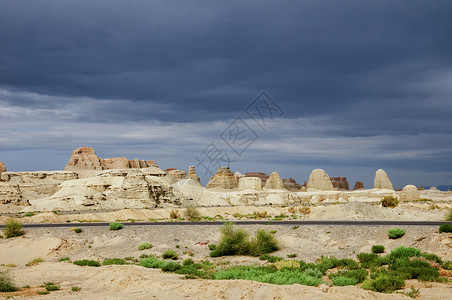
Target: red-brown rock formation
<point x="340" y="183"/>
<point x="358" y="185"/>
<point x="291" y="185"/>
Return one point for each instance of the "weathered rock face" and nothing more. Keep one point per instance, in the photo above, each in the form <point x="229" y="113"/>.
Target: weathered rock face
<point x="250" y="183"/>
<point x="340" y="183"/>
<point x="382" y="181"/>
<point x="319" y="180"/>
<point x="224" y="178"/>
<point x="358" y="185"/>
<point x="264" y="177"/>
<point x="192" y="174"/>
<point x="11" y="194"/>
<point x="274" y="182"/>
<point x="291" y="185"/>
<point x="176" y="175"/>
<point x="2" y="168"/>
<point x="85" y="158"/>
<point x="409" y="193"/>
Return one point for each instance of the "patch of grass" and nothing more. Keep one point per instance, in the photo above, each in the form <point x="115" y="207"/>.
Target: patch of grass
<point x="50" y="286"/>
<point x="384" y="283"/>
<point x="64" y="259"/>
<point x="78" y="230"/>
<point x="445" y="228"/>
<point x="270" y="259"/>
<point x="358" y="275"/>
<point x="86" y="262"/>
<point x="192" y="214"/>
<point x="13" y="228"/>
<point x="115" y="226"/>
<point x="29" y="214"/>
<point x="170" y="254"/>
<point x="295" y="227"/>
<point x="449" y="215"/>
<point x="273" y="231"/>
<point x="344" y="281"/>
<point x="378" y="249"/>
<point x="395" y="233"/>
<point x="43" y="292"/>
<point x="114" y="261"/>
<point x="75" y="289"/>
<point x="6" y="282"/>
<point x="292" y="255"/>
<point x="212" y="247"/>
<point x="170" y="266"/>
<point x="34" y="261"/>
<point x="151" y="262"/>
<point x="389" y="201"/>
<point x="144" y="246"/>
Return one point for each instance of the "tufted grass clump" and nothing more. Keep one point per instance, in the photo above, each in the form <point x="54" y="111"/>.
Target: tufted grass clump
<point x="50" y="286"/>
<point x="378" y="249"/>
<point x="13" y="228"/>
<point x="192" y="214"/>
<point x="445" y="228"/>
<point x="395" y="233"/>
<point x="174" y="214"/>
<point x="389" y="201"/>
<point x="115" y="226"/>
<point x="151" y="262"/>
<point x="449" y="215"/>
<point x="86" y="262"/>
<point x="170" y="254"/>
<point x="114" y="261"/>
<point x="78" y="230"/>
<point x="6" y="282"/>
<point x="144" y="246"/>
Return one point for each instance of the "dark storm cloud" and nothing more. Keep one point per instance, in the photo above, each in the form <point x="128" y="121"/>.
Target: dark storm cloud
<point x="356" y="69"/>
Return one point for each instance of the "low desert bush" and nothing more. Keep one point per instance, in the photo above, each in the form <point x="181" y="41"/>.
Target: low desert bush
<point x="395" y="233"/>
<point x="144" y="246"/>
<point x="86" y="262"/>
<point x="385" y="283"/>
<point x="389" y="201"/>
<point x="445" y="228"/>
<point x="343" y="281"/>
<point x="192" y="214"/>
<point x="174" y="214"/>
<point x="13" y="228"/>
<point x="260" y="215"/>
<point x="305" y="210"/>
<point x="75" y="289"/>
<point x="64" y="259"/>
<point x="114" y="261"/>
<point x="404" y="252"/>
<point x="6" y="282"/>
<point x="449" y="215"/>
<point x="50" y="286"/>
<point x="151" y="262"/>
<point x="78" y="230"/>
<point x="170" y="254"/>
<point x="34" y="261"/>
<point x="378" y="249"/>
<point x="115" y="226"/>
<point x="170" y="266"/>
<point x="358" y="275"/>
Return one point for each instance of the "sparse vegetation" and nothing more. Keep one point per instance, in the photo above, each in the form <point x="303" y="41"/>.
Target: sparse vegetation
<point x="389" y="201"/>
<point x="259" y="215"/>
<point x="13" y="228"/>
<point x="6" y="282"/>
<point x="449" y="215"/>
<point x="378" y="249"/>
<point x="50" y="286"/>
<point x="114" y="261"/>
<point x="34" y="261"/>
<point x="293" y="255"/>
<point x="445" y="228"/>
<point x="174" y="214"/>
<point x="115" y="226"/>
<point x="192" y="214"/>
<point x="144" y="246"/>
<point x="78" y="230"/>
<point x="395" y="233"/>
<point x="29" y="214"/>
<point x="237" y="242"/>
<point x="170" y="254"/>
<point x="64" y="259"/>
<point x="86" y="262"/>
<point x="305" y="210"/>
<point x="75" y="289"/>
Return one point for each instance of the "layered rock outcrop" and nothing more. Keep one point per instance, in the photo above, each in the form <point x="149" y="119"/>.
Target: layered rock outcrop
<point x="340" y="183"/>
<point x="224" y="178"/>
<point x="192" y="174"/>
<point x="250" y="183"/>
<point x="2" y="168"/>
<point x="85" y="158"/>
<point x="291" y="185"/>
<point x="319" y="180"/>
<point x="358" y="185"/>
<point x="176" y="175"/>
<point x="410" y="193"/>
<point x="382" y="181"/>
<point x="262" y="176"/>
<point x="274" y="182"/>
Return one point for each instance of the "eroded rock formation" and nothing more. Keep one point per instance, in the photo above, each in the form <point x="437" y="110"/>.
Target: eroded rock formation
<point x="291" y="185"/>
<point x="358" y="185"/>
<point x="2" y="168"/>
<point x="319" y="180"/>
<point x="250" y="183"/>
<point x="192" y="174"/>
<point x="224" y="178"/>
<point x="274" y="182"/>
<point x="262" y="176"/>
<point x="410" y="193"/>
<point x="340" y="183"/>
<point x="382" y="181"/>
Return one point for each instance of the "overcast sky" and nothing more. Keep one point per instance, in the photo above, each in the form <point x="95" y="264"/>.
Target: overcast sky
<point x="355" y="85"/>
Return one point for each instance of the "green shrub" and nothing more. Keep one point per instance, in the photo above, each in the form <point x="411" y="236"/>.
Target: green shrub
<point x="29" y="214"/>
<point x="313" y="273"/>
<point x="78" y="230"/>
<point x="378" y="249"/>
<point x="366" y="257"/>
<point x="188" y="262"/>
<point x="270" y="259"/>
<point x="358" y="275"/>
<point x="170" y="254"/>
<point x="387" y="283"/>
<point x="395" y="233"/>
<point x="389" y="201"/>
<point x="233" y="242"/>
<point x="170" y="266"/>
<point x="449" y="215"/>
<point x="447" y="265"/>
<point x="445" y="228"/>
<point x="13" y="228"/>
<point x="343" y="281"/>
<point x="400" y="252"/>
<point x="151" y="262"/>
<point x="76" y="288"/>
<point x="115" y="226"/>
<point x="293" y="255"/>
<point x="212" y="247"/>
<point x="144" y="246"/>
<point x="114" y="261"/>
<point x="264" y="243"/>
<point x="432" y="257"/>
<point x="86" y="262"/>
<point x="192" y="214"/>
<point x="50" y="286"/>
<point x="64" y="259"/>
<point x="34" y="261"/>
<point x="6" y="282"/>
<point x="414" y="269"/>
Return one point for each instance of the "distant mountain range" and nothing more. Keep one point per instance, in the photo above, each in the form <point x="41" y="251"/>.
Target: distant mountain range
<point x="440" y="187"/>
